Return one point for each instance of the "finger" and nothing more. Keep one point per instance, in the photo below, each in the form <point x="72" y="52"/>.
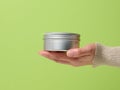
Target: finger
<point x="54" y="56"/>
<point x="57" y="57"/>
<point x="47" y="55"/>
<point x="78" y="52"/>
<point x="64" y="59"/>
<point x="61" y="56"/>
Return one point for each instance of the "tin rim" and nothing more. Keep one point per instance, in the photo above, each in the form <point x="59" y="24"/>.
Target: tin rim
<point x="61" y="35"/>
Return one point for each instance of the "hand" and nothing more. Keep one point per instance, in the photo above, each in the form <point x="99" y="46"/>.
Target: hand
<point x="75" y="57"/>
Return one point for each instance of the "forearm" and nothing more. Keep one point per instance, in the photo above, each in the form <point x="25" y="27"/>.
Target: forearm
<point x="106" y="56"/>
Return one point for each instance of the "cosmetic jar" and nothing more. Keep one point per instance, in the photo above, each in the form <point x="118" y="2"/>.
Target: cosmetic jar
<point x="60" y="41"/>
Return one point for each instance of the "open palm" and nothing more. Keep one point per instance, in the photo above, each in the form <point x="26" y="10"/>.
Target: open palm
<point x="74" y="57"/>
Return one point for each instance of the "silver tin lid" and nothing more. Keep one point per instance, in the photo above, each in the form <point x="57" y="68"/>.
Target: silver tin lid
<point x="62" y="35"/>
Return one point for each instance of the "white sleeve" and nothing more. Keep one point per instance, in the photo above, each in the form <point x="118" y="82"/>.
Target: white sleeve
<point x="106" y="56"/>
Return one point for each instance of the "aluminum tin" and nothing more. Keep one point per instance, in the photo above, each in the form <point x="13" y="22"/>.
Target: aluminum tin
<point x="60" y="41"/>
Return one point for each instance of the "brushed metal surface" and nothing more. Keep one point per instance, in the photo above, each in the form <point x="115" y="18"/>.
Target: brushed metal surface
<point x="59" y="41"/>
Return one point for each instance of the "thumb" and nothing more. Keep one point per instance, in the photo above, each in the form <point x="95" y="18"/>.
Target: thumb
<point x="78" y="52"/>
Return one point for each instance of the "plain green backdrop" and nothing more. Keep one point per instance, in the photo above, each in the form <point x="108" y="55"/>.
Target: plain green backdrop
<point x="22" y="26"/>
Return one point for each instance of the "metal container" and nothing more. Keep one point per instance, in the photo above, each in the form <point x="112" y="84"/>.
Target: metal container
<point x="60" y="41"/>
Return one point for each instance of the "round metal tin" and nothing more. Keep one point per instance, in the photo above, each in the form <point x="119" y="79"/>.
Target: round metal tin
<point x="60" y="41"/>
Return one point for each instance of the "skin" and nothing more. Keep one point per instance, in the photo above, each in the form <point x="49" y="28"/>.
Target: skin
<point x="75" y="57"/>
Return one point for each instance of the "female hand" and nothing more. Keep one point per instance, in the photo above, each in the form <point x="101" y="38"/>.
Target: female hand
<point x="75" y="57"/>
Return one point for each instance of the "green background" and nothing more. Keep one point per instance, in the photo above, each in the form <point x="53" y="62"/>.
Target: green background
<point x="22" y="25"/>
